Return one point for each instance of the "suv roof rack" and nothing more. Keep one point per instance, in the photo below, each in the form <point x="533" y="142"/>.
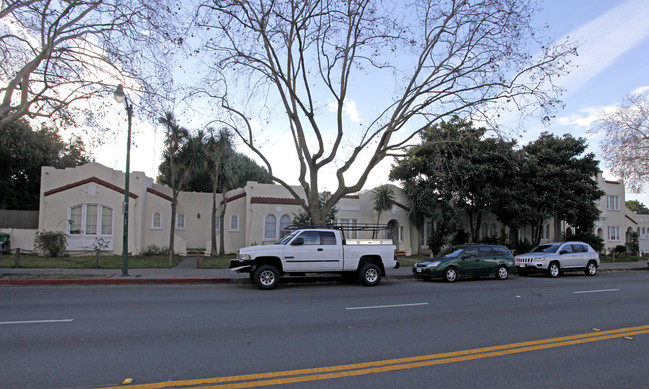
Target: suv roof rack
<point x="343" y="227"/>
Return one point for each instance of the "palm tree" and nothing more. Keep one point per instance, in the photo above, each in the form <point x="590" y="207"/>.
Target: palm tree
<point x="221" y="150"/>
<point x="184" y="156"/>
<point x="383" y="197"/>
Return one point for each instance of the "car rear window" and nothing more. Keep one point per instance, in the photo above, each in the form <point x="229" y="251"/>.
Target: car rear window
<point x="327" y="238"/>
<point x="485" y="251"/>
<point x="501" y="251"/>
<point x="579" y="248"/>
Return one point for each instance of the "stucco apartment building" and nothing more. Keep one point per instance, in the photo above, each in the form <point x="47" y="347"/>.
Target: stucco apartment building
<point x="86" y="203"/>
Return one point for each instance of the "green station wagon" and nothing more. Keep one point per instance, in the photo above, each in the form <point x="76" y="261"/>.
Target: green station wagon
<point x="471" y="260"/>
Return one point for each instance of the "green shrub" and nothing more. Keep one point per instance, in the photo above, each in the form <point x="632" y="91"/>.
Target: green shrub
<point x="523" y="246"/>
<point x="51" y="243"/>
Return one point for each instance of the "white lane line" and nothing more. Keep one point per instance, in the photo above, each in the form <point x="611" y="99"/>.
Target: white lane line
<point x="385" y="306"/>
<point x="36" y="321"/>
<point x="596" y="291"/>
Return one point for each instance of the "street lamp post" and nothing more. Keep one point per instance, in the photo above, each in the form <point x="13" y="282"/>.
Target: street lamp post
<point x="120" y="96"/>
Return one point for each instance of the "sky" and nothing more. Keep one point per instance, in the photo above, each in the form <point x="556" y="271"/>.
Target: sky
<point x="613" y="61"/>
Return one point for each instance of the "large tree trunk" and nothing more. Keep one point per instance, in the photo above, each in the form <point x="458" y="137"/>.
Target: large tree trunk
<point x="539" y="231"/>
<point x="172" y="229"/>
<point x="222" y="234"/>
<point x="213" y="227"/>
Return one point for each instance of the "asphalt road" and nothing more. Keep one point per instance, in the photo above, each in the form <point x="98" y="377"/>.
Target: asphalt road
<point x="533" y="332"/>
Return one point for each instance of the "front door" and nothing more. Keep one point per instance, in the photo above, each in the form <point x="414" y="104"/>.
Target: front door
<point x="470" y="262"/>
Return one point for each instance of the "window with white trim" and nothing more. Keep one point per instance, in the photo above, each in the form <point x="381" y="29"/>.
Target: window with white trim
<point x="90" y="219"/>
<point x="493" y="233"/>
<point x="106" y="221"/>
<point x="234" y="223"/>
<point x="270" y="227"/>
<point x="613" y="202"/>
<point x="425" y="233"/>
<point x="614" y="233"/>
<point x="284" y="222"/>
<point x="350" y="233"/>
<point x="180" y="221"/>
<point x="156" y="221"/>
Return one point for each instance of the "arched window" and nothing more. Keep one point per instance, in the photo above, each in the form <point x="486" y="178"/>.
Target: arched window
<point x="270" y="227"/>
<point x="284" y="222"/>
<point x="234" y="223"/>
<point x="492" y="231"/>
<point x="90" y="219"/>
<point x="156" y="221"/>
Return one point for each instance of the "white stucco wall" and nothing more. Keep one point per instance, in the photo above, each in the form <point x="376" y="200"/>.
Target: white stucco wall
<point x="93" y="183"/>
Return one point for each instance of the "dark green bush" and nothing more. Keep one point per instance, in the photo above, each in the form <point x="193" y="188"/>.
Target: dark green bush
<point x="51" y="243"/>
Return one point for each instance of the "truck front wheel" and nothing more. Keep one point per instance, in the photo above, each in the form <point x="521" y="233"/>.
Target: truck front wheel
<point x="266" y="277"/>
<point x="370" y="275"/>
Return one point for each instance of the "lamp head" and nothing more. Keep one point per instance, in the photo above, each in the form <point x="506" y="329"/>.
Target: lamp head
<point x="119" y="94"/>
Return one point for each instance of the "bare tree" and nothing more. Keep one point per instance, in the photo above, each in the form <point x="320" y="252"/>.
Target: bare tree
<point x="625" y="147"/>
<point x="55" y="54"/>
<point x="444" y="58"/>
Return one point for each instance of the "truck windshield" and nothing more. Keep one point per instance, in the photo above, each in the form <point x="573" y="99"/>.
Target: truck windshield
<point x="288" y="238"/>
<point x="546" y="248"/>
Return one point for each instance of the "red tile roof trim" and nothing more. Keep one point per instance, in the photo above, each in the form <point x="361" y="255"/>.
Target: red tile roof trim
<point x="237" y="197"/>
<point x="273" y="200"/>
<point x="159" y="194"/>
<point x="632" y="221"/>
<point x="398" y="204"/>
<point x="86" y="181"/>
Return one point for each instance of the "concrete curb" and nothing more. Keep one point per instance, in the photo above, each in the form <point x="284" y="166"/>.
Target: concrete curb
<point x="116" y="281"/>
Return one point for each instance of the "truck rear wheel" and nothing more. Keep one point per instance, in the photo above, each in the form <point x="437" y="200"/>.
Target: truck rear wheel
<point x="370" y="275"/>
<point x="266" y="277"/>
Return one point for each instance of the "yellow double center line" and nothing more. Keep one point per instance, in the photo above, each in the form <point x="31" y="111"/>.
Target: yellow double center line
<point x="356" y="369"/>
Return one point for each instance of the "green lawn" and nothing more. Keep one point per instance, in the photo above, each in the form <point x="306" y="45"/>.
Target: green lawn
<point x="621" y="258"/>
<point x="88" y="262"/>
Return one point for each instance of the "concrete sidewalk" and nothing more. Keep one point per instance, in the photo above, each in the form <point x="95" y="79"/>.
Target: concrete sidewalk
<point x="186" y="272"/>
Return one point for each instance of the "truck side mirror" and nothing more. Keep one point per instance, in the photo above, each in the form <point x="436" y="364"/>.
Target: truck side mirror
<point x="297" y="242"/>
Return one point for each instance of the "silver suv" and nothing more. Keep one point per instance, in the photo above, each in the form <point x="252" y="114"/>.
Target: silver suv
<point x="555" y="258"/>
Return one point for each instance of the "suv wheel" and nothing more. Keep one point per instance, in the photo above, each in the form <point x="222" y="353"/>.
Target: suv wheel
<point x="370" y="275"/>
<point x="591" y="268"/>
<point x="450" y="274"/>
<point x="553" y="270"/>
<point x="266" y="277"/>
<point x="502" y="273"/>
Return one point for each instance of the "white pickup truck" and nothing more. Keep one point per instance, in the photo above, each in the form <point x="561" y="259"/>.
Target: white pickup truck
<point x="317" y="250"/>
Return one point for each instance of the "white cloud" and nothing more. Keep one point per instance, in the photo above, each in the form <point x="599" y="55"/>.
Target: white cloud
<point x="584" y="118"/>
<point x="606" y="38"/>
<point x="640" y="90"/>
<point x="349" y="107"/>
